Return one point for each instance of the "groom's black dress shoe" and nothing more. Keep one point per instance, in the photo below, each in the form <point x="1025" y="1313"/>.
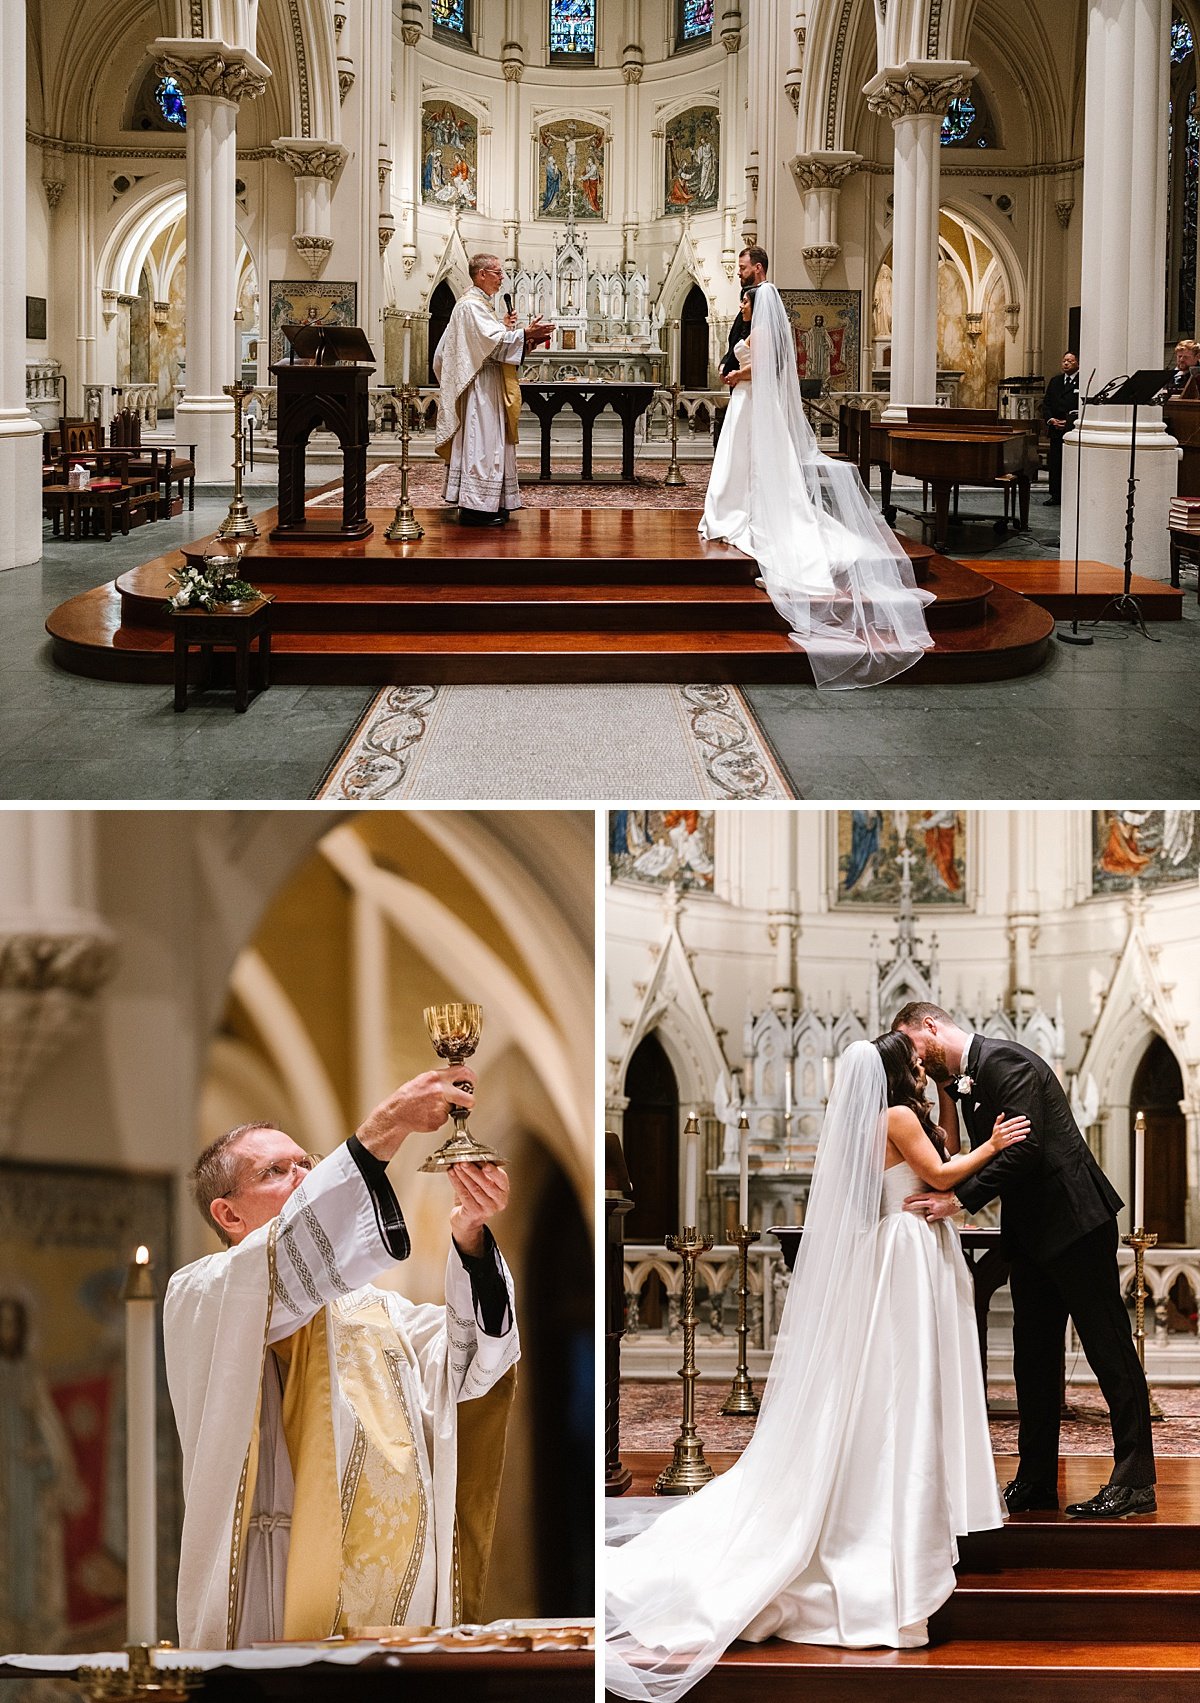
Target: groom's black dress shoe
<point x="1115" y="1501"/>
<point x="1024" y="1496"/>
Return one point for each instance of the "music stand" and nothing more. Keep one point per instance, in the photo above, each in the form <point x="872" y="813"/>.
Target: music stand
<point x="1131" y="390"/>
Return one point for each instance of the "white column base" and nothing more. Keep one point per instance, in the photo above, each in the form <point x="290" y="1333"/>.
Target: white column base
<point x="1101" y="463"/>
<point x="207" y="421"/>
<point x="21" y="481"/>
<point x="895" y="414"/>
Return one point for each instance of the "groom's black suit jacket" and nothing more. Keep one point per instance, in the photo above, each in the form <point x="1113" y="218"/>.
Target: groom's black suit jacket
<point x="1051" y="1189"/>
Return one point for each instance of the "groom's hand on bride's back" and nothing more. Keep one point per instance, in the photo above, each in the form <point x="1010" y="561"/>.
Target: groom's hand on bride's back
<point x="931" y="1205"/>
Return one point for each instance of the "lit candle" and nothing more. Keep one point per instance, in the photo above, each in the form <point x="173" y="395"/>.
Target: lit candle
<point x="743" y="1170"/>
<point x="407" y="361"/>
<point x="140" y="1452"/>
<point x="691" y="1195"/>
<point x="1139" y="1171"/>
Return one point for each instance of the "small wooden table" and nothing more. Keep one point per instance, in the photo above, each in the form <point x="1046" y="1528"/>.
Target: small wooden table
<point x="587" y="398"/>
<point x="229" y="628"/>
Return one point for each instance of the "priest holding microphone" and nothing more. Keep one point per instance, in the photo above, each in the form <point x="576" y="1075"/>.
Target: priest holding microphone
<point x="476" y="364"/>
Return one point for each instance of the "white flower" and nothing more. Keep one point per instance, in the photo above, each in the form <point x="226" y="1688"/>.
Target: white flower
<point x="963" y="1085"/>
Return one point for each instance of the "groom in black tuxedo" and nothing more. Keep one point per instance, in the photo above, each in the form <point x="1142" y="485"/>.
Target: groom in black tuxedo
<point x="1059" y="1232"/>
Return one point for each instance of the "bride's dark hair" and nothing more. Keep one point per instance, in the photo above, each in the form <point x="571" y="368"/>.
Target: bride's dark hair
<point x="900" y="1070"/>
<point x="748" y="294"/>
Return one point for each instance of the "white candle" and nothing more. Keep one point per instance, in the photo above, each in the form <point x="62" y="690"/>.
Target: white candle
<point x="827" y="1069"/>
<point x="1139" y="1171"/>
<point x="407" y="350"/>
<point x="140" y="1452"/>
<point x="691" y="1195"/>
<point x="787" y="1091"/>
<point x="743" y="1170"/>
<point x="674" y="351"/>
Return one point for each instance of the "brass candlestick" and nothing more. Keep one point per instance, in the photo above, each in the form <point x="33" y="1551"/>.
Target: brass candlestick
<point x="454" y="1030"/>
<point x="141" y="1680"/>
<point x="237" y="523"/>
<point x="688" y="1469"/>
<point x="742" y="1397"/>
<point x="405" y="527"/>
<point x="1139" y="1241"/>
<point x="674" y="473"/>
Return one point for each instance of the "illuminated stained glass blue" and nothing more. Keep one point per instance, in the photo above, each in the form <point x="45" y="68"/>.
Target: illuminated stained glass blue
<point x="960" y="116"/>
<point x="573" y="27"/>
<point x="1181" y="41"/>
<point x="696" y="19"/>
<point x="170" y="102"/>
<point x="450" y="15"/>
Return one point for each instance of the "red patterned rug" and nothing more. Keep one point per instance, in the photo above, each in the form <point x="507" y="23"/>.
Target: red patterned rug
<point x="427" y="480"/>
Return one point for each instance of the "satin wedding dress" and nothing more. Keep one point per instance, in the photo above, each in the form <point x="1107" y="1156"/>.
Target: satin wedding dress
<point x="838" y="1525"/>
<point x="832" y="568"/>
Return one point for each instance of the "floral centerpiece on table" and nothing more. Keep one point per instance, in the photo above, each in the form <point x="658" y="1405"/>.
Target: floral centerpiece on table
<point x="214" y="583"/>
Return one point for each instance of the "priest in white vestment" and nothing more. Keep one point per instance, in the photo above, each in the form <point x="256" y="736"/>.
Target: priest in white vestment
<point x="476" y="364"/>
<point x="320" y="1416"/>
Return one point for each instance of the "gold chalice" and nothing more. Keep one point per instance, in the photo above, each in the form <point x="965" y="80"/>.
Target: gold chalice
<point x="454" y="1030"/>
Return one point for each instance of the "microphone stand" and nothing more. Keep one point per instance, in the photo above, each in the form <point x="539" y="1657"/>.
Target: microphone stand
<point x="1125" y="606"/>
<point x="1075" y="637"/>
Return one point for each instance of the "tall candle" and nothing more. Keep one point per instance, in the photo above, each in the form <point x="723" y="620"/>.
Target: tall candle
<point x="140" y="1452"/>
<point x="743" y="1170"/>
<point x="691" y="1194"/>
<point x="1139" y="1171"/>
<point x="674" y="351"/>
<point x="827" y="1070"/>
<point x="407" y="360"/>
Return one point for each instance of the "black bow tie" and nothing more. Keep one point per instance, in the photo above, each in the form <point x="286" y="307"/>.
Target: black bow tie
<point x="952" y="1090"/>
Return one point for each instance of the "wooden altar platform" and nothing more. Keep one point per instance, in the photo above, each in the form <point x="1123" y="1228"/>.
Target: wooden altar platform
<point x="1048" y="1609"/>
<point x="587" y="594"/>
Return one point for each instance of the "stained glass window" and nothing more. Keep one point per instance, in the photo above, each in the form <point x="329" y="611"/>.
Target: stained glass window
<point x="170" y="102"/>
<point x="960" y="116"/>
<point x="1181" y="41"/>
<point x="450" y="16"/>
<point x="695" y="21"/>
<point x="573" y="29"/>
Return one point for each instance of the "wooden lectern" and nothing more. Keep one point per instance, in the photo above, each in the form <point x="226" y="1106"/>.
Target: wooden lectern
<point x="323" y="385"/>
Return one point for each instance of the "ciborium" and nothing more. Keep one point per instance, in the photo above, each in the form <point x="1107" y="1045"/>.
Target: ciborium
<point x="455" y="1030"/>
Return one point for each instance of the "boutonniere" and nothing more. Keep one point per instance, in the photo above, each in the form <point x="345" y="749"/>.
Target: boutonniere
<point x="963" y="1085"/>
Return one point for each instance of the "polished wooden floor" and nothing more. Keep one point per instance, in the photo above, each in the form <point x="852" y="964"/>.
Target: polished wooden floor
<point x="1047" y="1610"/>
<point x="558" y="594"/>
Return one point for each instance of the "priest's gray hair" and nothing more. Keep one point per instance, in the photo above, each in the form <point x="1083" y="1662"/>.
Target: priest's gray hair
<point x="480" y="262"/>
<point x="215" y="1173"/>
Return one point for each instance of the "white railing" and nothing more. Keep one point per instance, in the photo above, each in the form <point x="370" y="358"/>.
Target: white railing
<point x="139" y="399"/>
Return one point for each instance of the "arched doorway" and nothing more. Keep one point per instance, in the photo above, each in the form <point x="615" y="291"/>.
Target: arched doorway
<point x="441" y="306"/>
<point x="1157" y="1091"/>
<point x="693" y="341"/>
<point x="651" y="1143"/>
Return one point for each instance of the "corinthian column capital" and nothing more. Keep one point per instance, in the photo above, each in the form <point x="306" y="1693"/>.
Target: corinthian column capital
<point x="307" y="156"/>
<point x="211" y="68"/>
<point x="920" y="86"/>
<point x="823" y="170"/>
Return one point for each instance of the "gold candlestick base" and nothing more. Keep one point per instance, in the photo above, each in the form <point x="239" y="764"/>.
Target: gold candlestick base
<point x="674" y="475"/>
<point x="688" y="1470"/>
<point x="405" y="527"/>
<point x="237" y="523"/>
<point x="742" y="1397"/>
<point x="1139" y="1240"/>
<point x="141" y="1679"/>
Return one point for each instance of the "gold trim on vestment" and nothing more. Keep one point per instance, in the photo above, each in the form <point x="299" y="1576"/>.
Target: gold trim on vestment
<point x="244" y="1501"/>
<point x="408" y="1583"/>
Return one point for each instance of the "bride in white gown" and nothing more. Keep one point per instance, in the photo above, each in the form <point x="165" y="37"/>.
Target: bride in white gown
<point x="830" y="565"/>
<point x="838" y="1523"/>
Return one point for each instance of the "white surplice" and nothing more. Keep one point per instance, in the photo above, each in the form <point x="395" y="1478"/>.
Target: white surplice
<point x="221" y="1317"/>
<point x="482" y="473"/>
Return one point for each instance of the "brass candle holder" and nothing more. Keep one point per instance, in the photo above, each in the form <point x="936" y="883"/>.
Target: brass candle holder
<point x="742" y="1397"/>
<point x="674" y="474"/>
<point x="688" y="1470"/>
<point x="454" y="1030"/>
<point x="237" y="523"/>
<point x="405" y="527"/>
<point x="141" y="1679"/>
<point x="1139" y="1240"/>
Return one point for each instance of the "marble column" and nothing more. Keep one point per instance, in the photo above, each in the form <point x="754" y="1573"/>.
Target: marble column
<point x="819" y="178"/>
<point x="20" y="434"/>
<point x="915" y="97"/>
<point x="409" y="125"/>
<point x="512" y="63"/>
<point x="55" y="950"/>
<point x="375" y="109"/>
<point x="1126" y="91"/>
<point x="213" y="78"/>
<point x="314" y="164"/>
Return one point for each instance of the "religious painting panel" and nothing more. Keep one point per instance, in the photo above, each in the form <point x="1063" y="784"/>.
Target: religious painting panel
<point x="1158" y="848"/>
<point x="660" y="846"/>
<point x="570" y="171"/>
<point x="35" y="318"/>
<point x="449" y="155"/>
<point x="692" y="160"/>
<point x="308" y="302"/>
<point x="67" y="1235"/>
<point x="874" y="846"/>
<point x="827" y="325"/>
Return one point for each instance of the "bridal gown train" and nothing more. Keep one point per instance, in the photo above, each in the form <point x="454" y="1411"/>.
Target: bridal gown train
<point x="912" y="1469"/>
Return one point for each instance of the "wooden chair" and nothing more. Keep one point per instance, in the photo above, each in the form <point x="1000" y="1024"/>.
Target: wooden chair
<point x="161" y="461"/>
<point x="80" y="435"/>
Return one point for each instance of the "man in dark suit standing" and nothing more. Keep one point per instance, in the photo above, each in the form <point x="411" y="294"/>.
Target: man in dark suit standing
<point x="1060" y="405"/>
<point x="1058" y="1230"/>
<point x="752" y="270"/>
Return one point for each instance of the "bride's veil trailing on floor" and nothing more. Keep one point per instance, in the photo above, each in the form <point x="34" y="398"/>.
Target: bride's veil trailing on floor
<point x="682" y="1589"/>
<point x="833" y="569"/>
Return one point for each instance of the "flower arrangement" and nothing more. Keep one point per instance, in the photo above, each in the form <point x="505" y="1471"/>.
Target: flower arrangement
<point x="214" y="583"/>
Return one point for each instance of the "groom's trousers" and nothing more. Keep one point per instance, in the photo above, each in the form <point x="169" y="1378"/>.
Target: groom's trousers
<point x="1080" y="1283"/>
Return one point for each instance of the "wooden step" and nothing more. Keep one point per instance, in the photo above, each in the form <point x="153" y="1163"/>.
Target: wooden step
<point x="1073" y="1602"/>
<point x="1052" y="584"/>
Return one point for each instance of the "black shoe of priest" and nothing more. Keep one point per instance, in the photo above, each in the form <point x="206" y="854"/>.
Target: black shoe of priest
<point x="1115" y="1501"/>
<point x="1024" y="1496"/>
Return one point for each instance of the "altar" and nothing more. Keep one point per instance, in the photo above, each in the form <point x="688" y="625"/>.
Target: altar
<point x="627" y="401"/>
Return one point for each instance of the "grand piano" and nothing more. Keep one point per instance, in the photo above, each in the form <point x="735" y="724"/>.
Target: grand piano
<point x="946" y="448"/>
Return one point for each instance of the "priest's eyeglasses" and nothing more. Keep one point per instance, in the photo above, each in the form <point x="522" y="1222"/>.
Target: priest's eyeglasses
<point x="279" y="1172"/>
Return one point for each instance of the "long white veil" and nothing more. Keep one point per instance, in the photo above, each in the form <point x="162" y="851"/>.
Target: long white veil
<point x="679" y="1592"/>
<point x="832" y="568"/>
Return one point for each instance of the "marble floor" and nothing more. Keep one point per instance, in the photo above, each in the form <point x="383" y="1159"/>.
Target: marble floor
<point x="1119" y="720"/>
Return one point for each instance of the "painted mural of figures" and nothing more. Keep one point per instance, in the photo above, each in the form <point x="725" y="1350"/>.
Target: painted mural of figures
<point x="940" y="828"/>
<point x="864" y="847"/>
<point x="706" y="170"/>
<point x="449" y="155"/>
<point x="1123" y="854"/>
<point x="553" y="184"/>
<point x="570" y="170"/>
<point x="692" y="160"/>
<point x="818" y="350"/>
<point x="589" y="183"/>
